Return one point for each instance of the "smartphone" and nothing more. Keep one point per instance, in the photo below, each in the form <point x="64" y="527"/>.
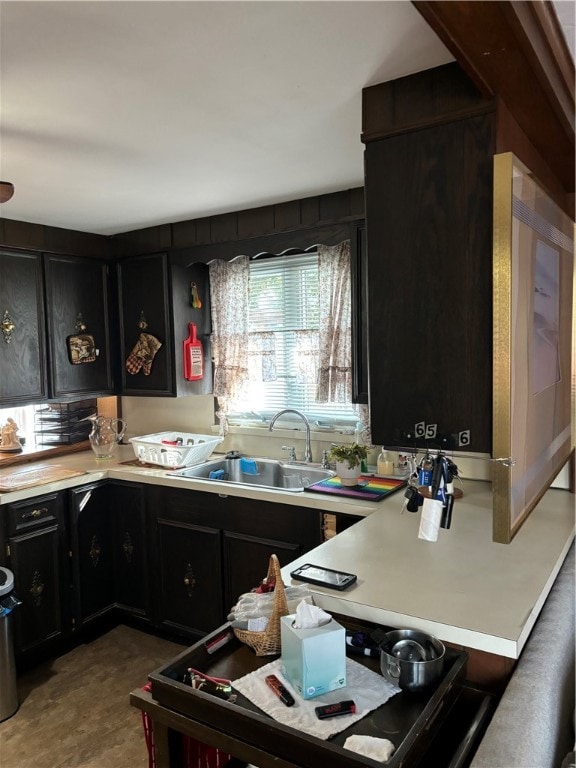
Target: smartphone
<point x="325" y="577"/>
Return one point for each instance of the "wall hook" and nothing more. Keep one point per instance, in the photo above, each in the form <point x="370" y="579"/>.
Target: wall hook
<point x="80" y="326"/>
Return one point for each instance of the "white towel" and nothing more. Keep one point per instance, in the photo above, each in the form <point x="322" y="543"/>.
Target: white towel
<point x="380" y="750"/>
<point x="367" y="689"/>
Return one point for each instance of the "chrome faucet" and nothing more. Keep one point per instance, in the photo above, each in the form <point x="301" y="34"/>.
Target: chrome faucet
<point x="308" y="450"/>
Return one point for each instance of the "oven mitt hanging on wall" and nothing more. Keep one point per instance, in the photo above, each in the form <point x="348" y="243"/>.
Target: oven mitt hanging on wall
<point x="143" y="354"/>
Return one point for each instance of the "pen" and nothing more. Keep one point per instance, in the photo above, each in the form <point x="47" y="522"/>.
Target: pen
<point x="280" y="691"/>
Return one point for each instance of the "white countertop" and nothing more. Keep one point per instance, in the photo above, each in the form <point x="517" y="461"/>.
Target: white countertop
<point x="464" y="588"/>
<point x="94" y="469"/>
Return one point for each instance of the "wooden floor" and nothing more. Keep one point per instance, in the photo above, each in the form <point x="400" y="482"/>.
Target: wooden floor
<point x="74" y="711"/>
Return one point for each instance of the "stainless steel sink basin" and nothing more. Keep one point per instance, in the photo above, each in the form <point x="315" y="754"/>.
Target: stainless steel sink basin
<point x="260" y="473"/>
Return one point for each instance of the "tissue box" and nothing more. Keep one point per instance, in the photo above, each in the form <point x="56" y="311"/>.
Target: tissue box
<point x="313" y="660"/>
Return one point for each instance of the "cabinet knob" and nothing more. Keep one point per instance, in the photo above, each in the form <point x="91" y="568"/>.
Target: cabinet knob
<point x="7" y="327"/>
<point x="95" y="551"/>
<point x="128" y="547"/>
<point x="37" y="588"/>
<point x="189" y="580"/>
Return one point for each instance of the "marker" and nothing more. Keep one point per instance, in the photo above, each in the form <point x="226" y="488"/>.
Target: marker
<point x="332" y="710"/>
<point x="280" y="691"/>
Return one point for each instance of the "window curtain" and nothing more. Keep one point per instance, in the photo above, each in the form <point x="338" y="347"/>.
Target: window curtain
<point x="306" y="355"/>
<point x="334" y="378"/>
<point x="262" y="356"/>
<point x="229" y="287"/>
<point x="363" y="413"/>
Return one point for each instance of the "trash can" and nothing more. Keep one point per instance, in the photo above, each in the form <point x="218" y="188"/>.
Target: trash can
<point x="8" y="601"/>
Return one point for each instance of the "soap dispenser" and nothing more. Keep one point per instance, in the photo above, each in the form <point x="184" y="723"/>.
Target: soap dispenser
<point x="385" y="464"/>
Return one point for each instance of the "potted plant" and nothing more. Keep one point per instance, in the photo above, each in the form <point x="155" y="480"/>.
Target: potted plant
<point x="348" y="460"/>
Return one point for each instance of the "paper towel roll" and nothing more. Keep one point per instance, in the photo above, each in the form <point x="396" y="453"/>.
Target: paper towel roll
<point x="430" y="520"/>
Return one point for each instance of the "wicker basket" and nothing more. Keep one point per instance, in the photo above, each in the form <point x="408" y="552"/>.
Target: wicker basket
<point x="267" y="643"/>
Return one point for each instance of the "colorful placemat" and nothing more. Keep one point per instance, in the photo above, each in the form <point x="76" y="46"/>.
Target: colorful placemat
<point x="368" y="488"/>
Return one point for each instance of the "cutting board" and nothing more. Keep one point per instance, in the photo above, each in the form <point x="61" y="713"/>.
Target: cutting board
<point x="28" y="477"/>
<point x="371" y="488"/>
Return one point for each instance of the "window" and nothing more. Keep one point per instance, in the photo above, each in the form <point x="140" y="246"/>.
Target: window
<point x="24" y="418"/>
<point x="283" y="322"/>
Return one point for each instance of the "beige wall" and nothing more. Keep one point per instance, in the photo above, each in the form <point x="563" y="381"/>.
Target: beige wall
<point x="146" y="415"/>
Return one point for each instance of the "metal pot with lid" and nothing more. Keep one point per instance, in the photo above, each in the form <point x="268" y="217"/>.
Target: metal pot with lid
<point x="410" y="659"/>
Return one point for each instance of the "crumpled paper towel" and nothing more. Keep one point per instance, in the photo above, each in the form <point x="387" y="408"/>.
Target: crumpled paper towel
<point x="368" y="689"/>
<point x="380" y="750"/>
<point x="309" y="616"/>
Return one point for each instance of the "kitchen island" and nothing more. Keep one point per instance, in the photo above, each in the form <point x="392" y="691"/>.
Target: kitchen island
<point x="464" y="589"/>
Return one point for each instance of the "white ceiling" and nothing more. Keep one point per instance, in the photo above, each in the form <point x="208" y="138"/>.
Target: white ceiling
<point x="120" y="115"/>
<point x="125" y="114"/>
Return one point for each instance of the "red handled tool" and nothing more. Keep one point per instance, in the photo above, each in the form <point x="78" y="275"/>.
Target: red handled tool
<point x="193" y="356"/>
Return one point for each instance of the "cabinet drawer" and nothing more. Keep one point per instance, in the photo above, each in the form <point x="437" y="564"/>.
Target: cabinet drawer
<point x="39" y="511"/>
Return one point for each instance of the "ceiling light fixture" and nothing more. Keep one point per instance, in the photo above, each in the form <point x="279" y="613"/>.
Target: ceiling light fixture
<point x="6" y="191"/>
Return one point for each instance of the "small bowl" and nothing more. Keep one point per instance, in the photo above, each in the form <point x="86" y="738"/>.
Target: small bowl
<point x="411" y="674"/>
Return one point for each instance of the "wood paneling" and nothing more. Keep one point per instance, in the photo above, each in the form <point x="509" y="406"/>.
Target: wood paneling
<point x="436" y="96"/>
<point x="224" y="228"/>
<point x="23" y="234"/>
<point x="230" y="228"/>
<point x="516" y="50"/>
<point x="141" y="241"/>
<point x="255" y="221"/>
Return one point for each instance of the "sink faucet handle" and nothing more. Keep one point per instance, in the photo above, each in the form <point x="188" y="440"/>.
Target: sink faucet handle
<point x="292" y="454"/>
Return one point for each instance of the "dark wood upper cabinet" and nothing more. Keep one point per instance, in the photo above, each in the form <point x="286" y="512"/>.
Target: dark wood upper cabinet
<point x="77" y="295"/>
<point x="22" y="352"/>
<point x="429" y="227"/>
<point x="155" y="299"/>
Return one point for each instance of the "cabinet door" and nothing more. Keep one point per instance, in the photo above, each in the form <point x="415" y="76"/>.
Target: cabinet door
<point x="22" y="359"/>
<point x="126" y="504"/>
<point x="92" y="553"/>
<point x="37" y="559"/>
<point x="77" y="296"/>
<point x="190" y="577"/>
<point x="144" y="295"/>
<point x="246" y="560"/>
<point x="429" y="224"/>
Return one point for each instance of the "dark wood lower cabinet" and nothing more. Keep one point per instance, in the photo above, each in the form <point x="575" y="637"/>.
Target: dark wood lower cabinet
<point x="39" y="576"/>
<point x="221" y="543"/>
<point x="190" y="577"/>
<point x="92" y="553"/>
<point x="36" y="554"/>
<point x="246" y="560"/>
<point x="126" y="502"/>
<point x="172" y="559"/>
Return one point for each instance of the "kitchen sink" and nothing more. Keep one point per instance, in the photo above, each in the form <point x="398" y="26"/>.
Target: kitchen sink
<point x="257" y="472"/>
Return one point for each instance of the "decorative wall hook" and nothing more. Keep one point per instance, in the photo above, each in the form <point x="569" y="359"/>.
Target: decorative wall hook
<point x="80" y="326"/>
<point x="7" y="327"/>
<point x="142" y="323"/>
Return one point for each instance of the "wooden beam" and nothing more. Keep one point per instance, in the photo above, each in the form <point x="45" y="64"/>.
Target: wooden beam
<point x="516" y="51"/>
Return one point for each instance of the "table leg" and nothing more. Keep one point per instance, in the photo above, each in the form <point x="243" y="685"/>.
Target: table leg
<point x="161" y="745"/>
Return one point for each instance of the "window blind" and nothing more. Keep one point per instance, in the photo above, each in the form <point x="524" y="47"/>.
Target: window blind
<point x="283" y="301"/>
